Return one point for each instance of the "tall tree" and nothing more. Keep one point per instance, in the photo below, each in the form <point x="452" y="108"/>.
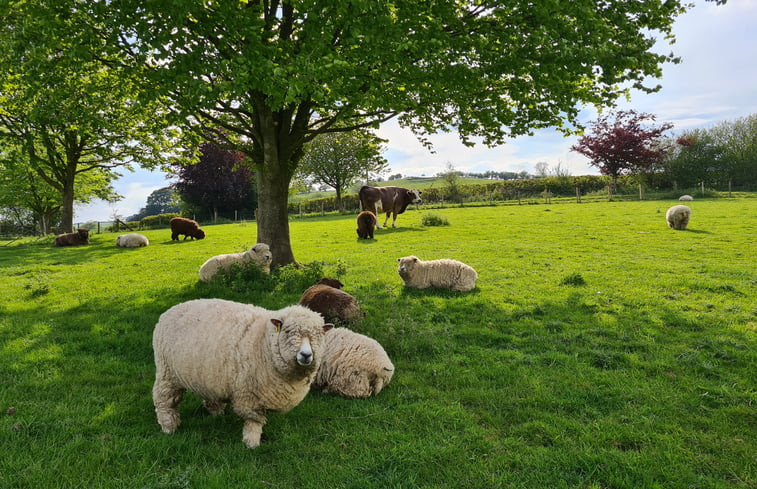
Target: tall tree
<point x="270" y="75"/>
<point x="220" y="182"/>
<point x="74" y="116"/>
<point x="623" y="142"/>
<point x="340" y="159"/>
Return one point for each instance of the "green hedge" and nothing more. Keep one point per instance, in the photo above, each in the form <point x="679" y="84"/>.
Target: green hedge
<point x="155" y="222"/>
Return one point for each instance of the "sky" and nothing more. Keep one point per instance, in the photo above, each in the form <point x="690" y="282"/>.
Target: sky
<point x="716" y="81"/>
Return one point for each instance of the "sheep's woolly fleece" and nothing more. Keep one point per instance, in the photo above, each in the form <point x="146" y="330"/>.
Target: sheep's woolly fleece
<point x="333" y="303"/>
<point x="441" y="274"/>
<point x="353" y="365"/>
<point x="260" y="254"/>
<point x="132" y="240"/>
<point x="678" y="217"/>
<point x="224" y="351"/>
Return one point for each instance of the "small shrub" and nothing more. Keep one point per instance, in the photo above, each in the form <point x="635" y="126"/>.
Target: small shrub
<point x="432" y="219"/>
<point x="574" y="279"/>
<point x="249" y="278"/>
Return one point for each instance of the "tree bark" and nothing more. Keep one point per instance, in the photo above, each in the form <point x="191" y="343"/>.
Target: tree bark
<point x="273" y="218"/>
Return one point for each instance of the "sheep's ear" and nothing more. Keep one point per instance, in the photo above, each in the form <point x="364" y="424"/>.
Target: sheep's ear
<point x="277" y="323"/>
<point x="398" y="259"/>
<point x="327" y="327"/>
<point x="415" y="260"/>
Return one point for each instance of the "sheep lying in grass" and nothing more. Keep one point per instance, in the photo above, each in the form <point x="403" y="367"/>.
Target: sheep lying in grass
<point x="80" y="237"/>
<point x="686" y="198"/>
<point x="224" y="351"/>
<point x="440" y="274"/>
<point x="353" y="365"/>
<point x="132" y="240"/>
<point x="334" y="304"/>
<point x="260" y="254"/>
<point x="678" y="217"/>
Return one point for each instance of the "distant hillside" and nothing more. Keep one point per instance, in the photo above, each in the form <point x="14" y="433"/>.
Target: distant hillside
<point x="409" y="182"/>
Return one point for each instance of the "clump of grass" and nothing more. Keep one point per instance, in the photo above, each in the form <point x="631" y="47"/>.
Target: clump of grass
<point x="38" y="285"/>
<point x="250" y="278"/>
<point x="574" y="279"/>
<point x="432" y="219"/>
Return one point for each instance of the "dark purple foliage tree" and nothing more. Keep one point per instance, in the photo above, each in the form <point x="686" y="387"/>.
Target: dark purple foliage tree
<point x="219" y="183"/>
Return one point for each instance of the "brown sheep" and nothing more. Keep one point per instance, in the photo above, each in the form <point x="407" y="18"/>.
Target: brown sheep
<point x="187" y="227"/>
<point x="333" y="304"/>
<point x="366" y="223"/>
<point x="80" y="237"/>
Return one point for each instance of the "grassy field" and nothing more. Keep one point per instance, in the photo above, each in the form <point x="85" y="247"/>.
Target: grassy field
<point x="600" y="350"/>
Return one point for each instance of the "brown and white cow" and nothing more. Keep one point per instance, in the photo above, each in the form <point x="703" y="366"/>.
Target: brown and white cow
<point x="391" y="200"/>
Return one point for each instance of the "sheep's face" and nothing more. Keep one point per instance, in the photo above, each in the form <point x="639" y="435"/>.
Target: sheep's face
<point x="199" y="234"/>
<point x="260" y="254"/>
<point x="298" y="340"/>
<point x="407" y="264"/>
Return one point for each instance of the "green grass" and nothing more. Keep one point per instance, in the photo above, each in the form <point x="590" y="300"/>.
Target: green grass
<point x="600" y="349"/>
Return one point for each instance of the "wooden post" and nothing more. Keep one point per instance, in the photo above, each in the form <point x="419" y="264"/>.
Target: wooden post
<point x="702" y="187"/>
<point x="518" y="193"/>
<point x="300" y="209"/>
<point x="730" y="182"/>
<point x="323" y="213"/>
<point x="641" y="192"/>
<point x="578" y="195"/>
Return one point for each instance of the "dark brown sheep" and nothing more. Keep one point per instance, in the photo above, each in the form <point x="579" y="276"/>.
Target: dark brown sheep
<point x="187" y="227"/>
<point x="80" y="237"/>
<point x="366" y="223"/>
<point x="333" y="304"/>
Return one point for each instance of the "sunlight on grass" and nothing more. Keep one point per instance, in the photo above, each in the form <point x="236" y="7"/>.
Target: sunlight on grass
<point x="599" y="349"/>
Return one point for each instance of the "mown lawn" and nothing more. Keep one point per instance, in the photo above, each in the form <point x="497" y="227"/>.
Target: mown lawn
<point x="600" y="350"/>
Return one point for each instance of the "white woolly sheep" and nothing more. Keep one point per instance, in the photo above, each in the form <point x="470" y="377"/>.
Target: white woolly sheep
<point x="353" y="365"/>
<point x="132" y="240"/>
<point x="441" y="274"/>
<point x="259" y="254"/>
<point x="686" y="198"/>
<point x="224" y="351"/>
<point x="678" y="217"/>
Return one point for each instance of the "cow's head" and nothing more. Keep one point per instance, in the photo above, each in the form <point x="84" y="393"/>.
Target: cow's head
<point x="415" y="196"/>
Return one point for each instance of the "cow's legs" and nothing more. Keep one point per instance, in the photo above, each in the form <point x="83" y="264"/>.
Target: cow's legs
<point x="394" y="220"/>
<point x="385" y="220"/>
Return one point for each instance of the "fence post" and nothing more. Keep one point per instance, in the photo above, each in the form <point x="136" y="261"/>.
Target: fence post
<point x="578" y="195"/>
<point x="641" y="192"/>
<point x="702" y="187"/>
<point x="322" y="211"/>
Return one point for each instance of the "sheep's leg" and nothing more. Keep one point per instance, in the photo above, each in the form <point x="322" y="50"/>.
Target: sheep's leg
<point x="251" y="432"/>
<point x="214" y="407"/>
<point x="254" y="420"/>
<point x="166" y="397"/>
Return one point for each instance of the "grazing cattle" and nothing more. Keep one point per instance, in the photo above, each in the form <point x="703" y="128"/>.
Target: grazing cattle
<point x="391" y="200"/>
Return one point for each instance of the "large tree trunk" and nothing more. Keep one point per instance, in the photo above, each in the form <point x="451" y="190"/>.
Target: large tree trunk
<point x="67" y="212"/>
<point x="273" y="218"/>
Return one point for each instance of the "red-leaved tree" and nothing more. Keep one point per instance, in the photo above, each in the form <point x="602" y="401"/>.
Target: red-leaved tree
<point x="220" y="182"/>
<point x="622" y="143"/>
